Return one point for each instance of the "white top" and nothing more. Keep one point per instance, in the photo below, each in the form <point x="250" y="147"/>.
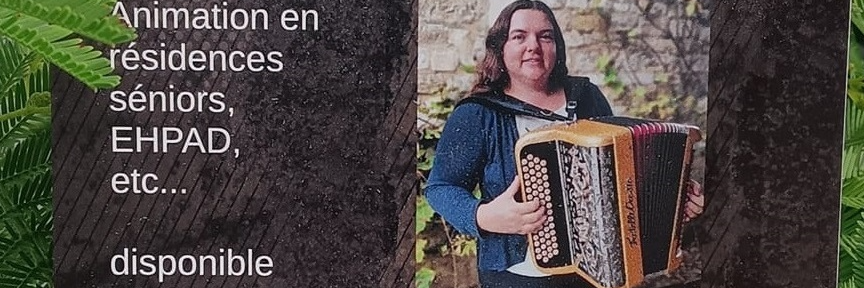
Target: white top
<point x="523" y="125"/>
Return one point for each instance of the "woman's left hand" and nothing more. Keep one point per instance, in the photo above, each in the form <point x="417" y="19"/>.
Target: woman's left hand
<point x="695" y="201"/>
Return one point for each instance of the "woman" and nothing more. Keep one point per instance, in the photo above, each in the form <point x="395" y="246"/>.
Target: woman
<point x="524" y="63"/>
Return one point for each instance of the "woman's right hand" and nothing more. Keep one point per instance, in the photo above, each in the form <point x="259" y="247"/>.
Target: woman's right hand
<point x="505" y="215"/>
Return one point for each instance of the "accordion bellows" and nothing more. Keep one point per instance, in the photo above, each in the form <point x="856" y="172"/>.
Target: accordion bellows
<point x="613" y="188"/>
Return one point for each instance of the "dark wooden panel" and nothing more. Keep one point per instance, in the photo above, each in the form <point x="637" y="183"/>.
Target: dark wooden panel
<point x="777" y="85"/>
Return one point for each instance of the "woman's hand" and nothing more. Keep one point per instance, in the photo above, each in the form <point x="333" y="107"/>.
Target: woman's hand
<point x="695" y="201"/>
<point x="505" y="215"/>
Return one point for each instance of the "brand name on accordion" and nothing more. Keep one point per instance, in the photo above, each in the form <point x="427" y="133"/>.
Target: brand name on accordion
<point x="630" y="205"/>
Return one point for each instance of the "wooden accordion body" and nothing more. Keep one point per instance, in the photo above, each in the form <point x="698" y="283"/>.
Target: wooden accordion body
<point x="613" y="188"/>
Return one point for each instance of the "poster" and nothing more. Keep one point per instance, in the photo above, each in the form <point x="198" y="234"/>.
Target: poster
<point x="319" y="180"/>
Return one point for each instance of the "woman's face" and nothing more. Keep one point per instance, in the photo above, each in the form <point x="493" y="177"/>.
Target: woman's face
<point x="529" y="53"/>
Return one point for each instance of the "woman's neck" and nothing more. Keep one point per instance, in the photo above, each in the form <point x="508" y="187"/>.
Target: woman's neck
<point x="537" y="95"/>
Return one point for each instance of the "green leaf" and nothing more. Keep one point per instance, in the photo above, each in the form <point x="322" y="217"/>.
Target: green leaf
<point x="423" y="214"/>
<point x="88" y="18"/>
<point x="419" y="250"/>
<point x="857" y="14"/>
<point x="51" y="42"/>
<point x="423" y="278"/>
<point x="690" y="9"/>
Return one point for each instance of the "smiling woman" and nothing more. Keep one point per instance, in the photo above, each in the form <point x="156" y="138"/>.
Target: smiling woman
<point x="522" y="83"/>
<point x="522" y="64"/>
<point x="529" y="57"/>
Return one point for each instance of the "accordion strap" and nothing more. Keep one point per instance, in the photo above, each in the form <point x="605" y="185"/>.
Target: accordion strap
<point x="514" y="106"/>
<point x="576" y="92"/>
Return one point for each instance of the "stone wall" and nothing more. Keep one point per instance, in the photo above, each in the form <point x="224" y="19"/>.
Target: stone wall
<point x="657" y="50"/>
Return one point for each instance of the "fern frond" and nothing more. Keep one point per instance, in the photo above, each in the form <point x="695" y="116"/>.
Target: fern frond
<point x="25" y="178"/>
<point x="31" y="194"/>
<point x="851" y="243"/>
<point x="15" y="69"/>
<point x="87" y="18"/>
<point x="24" y="129"/>
<point x="857" y="14"/>
<point x="853" y="192"/>
<point x="49" y="41"/>
<point x="853" y="148"/>
<point x="856" y="138"/>
<point x="25" y="260"/>
<point x="33" y="128"/>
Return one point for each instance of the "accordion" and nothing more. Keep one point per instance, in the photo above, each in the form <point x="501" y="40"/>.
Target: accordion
<point x="614" y="192"/>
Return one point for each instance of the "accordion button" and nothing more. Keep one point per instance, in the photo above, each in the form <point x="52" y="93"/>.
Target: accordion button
<point x="524" y="161"/>
<point x="530" y="157"/>
<point x="542" y="162"/>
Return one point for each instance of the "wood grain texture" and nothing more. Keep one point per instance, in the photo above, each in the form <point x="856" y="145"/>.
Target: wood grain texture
<point x="777" y="85"/>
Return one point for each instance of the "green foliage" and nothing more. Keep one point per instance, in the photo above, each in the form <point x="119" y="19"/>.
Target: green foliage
<point x="25" y="169"/>
<point x="423" y="277"/>
<point x="461" y="246"/>
<point x="655" y="103"/>
<point x="610" y="75"/>
<point x="470" y="69"/>
<point x="424" y="214"/>
<point x="45" y="27"/>
<point x="425" y="157"/>
<point x="420" y="250"/>
<point x="851" y="264"/>
<point x="691" y="8"/>
<point x="33" y="34"/>
<point x="851" y="267"/>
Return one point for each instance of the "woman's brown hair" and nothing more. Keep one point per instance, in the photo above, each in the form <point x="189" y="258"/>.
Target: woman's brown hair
<point x="492" y="74"/>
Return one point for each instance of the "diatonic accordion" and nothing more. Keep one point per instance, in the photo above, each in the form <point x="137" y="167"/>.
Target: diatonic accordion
<point x="614" y="192"/>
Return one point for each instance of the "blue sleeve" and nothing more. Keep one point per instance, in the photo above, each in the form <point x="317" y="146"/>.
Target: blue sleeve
<point x="460" y="158"/>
